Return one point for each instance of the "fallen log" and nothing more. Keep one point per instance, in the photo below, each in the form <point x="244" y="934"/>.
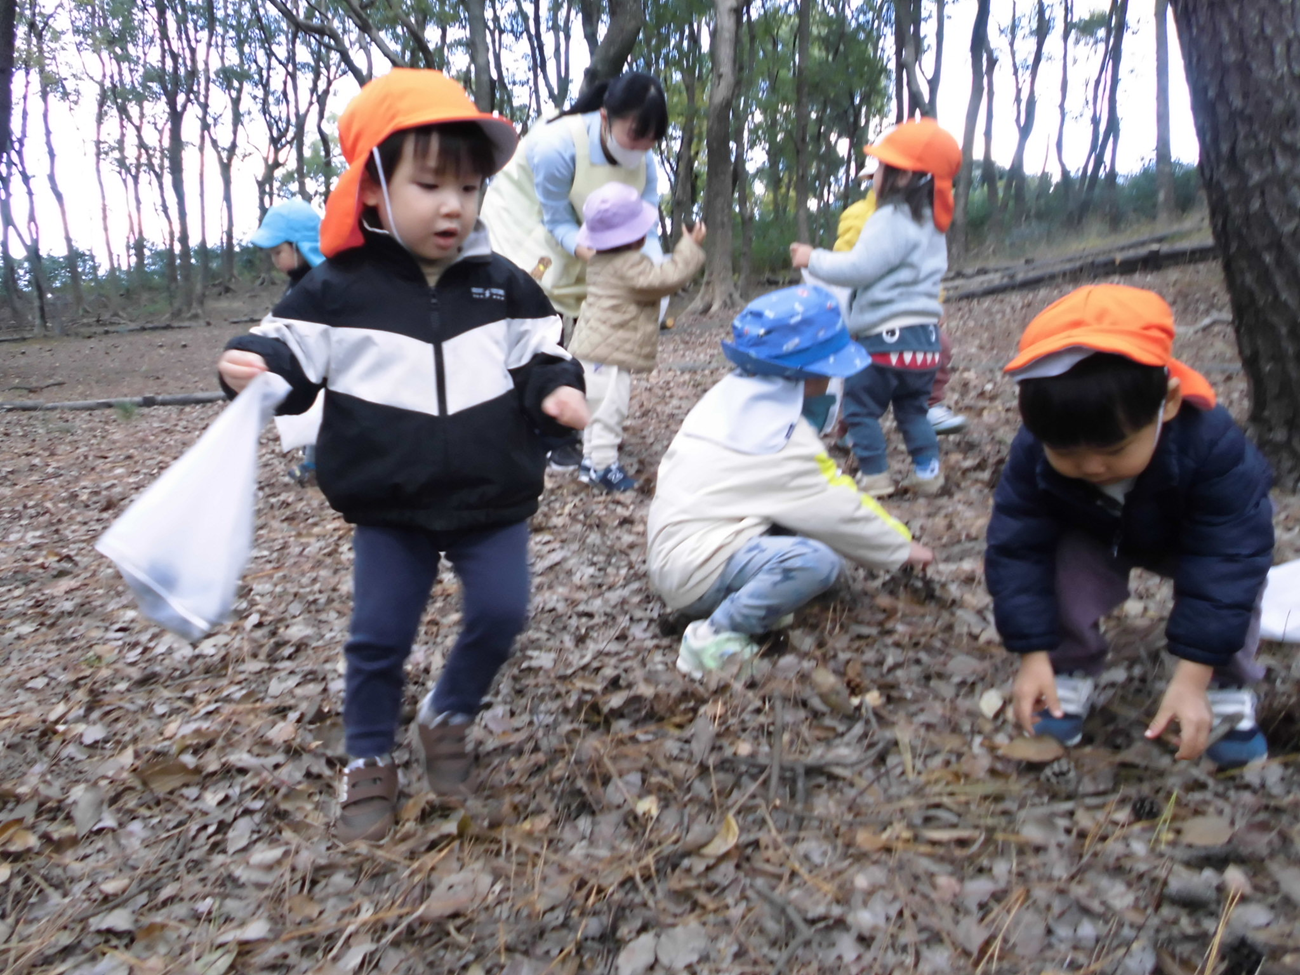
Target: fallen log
<point x="180" y="399"/>
<point x="1118" y="262"/>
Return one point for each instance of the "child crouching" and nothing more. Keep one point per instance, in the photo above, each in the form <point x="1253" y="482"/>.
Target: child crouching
<point x="618" y="327"/>
<point x="1124" y="460"/>
<point x="751" y="518"/>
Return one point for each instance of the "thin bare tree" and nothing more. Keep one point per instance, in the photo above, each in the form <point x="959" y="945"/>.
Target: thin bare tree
<point x="719" y="294"/>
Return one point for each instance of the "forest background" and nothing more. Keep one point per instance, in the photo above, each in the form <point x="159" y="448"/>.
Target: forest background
<point x="194" y="116"/>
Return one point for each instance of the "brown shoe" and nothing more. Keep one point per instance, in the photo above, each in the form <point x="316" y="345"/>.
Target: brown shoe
<point x="368" y="802"/>
<point x="447" y="765"/>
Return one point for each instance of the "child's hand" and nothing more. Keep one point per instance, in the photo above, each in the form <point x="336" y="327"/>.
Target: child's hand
<point x="800" y="254"/>
<point x="920" y="556"/>
<point x="584" y="253"/>
<point x="1186" y="703"/>
<point x="239" y="368"/>
<point x="697" y="232"/>
<point x="568" y="406"/>
<point x="1034" y="689"/>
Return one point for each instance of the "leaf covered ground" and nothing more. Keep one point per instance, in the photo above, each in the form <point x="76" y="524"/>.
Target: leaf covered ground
<point x="844" y="808"/>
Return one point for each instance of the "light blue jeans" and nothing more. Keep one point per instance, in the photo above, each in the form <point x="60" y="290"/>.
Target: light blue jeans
<point x="770" y="576"/>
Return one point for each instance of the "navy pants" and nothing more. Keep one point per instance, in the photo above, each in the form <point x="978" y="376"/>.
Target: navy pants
<point x="869" y="394"/>
<point x="393" y="574"/>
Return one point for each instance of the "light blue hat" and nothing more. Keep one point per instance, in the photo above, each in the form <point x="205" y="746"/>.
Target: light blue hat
<point x="796" y="333"/>
<point x="294" y="222"/>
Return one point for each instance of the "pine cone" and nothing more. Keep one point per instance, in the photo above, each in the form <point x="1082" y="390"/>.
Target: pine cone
<point x="1061" y="777"/>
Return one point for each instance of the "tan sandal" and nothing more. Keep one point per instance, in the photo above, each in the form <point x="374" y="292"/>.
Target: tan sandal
<point x="368" y="802"/>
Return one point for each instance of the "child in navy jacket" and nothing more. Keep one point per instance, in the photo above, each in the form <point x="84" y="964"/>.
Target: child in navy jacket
<point x="1125" y="460"/>
<point x="442" y="372"/>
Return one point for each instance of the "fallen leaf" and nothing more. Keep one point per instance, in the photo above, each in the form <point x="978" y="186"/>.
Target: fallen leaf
<point x="1288" y="879"/>
<point x="256" y="930"/>
<point x="832" y="691"/>
<point x="991" y="702"/>
<point x="167" y="776"/>
<point x="1038" y="750"/>
<point x="456" y="894"/>
<point x="727" y="836"/>
<point x="5" y="872"/>
<point x="648" y="807"/>
<point x="1205" y="831"/>
<point x="121" y="920"/>
<point x="216" y="962"/>
<point x="637" y="955"/>
<point x="303" y="908"/>
<point x="86" y="808"/>
<point x="240" y="835"/>
<point x="19" y="841"/>
<point x="681" y="947"/>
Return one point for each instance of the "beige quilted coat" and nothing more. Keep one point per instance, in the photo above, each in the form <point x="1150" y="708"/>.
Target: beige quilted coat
<point x="619" y="321"/>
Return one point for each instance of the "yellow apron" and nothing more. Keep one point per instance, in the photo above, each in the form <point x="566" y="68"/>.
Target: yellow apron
<point x="513" y="215"/>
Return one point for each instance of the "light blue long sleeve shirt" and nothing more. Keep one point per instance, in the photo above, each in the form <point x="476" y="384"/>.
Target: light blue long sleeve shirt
<point x="895" y="270"/>
<point x="552" y="156"/>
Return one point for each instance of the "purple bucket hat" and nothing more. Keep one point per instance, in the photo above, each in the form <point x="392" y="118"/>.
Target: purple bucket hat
<point x="615" y="215"/>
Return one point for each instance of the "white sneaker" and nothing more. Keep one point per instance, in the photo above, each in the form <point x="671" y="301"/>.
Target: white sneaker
<point x="945" y="420"/>
<point x="705" y="649"/>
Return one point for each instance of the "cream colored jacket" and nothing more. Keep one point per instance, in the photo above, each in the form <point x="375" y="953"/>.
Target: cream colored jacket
<point x="619" y="321"/>
<point x="710" y="501"/>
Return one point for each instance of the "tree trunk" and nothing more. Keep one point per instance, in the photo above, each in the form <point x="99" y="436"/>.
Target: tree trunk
<point x="989" y="173"/>
<point x="1241" y="59"/>
<point x="1067" y="24"/>
<point x="1025" y="119"/>
<point x="610" y="54"/>
<point x="176" y="82"/>
<point x="46" y="70"/>
<point x="719" y="294"/>
<point x="1119" y="9"/>
<point x="683" y="206"/>
<point x="480" y="53"/>
<point x="1165" y="205"/>
<point x="979" y="39"/>
<point x="803" y="30"/>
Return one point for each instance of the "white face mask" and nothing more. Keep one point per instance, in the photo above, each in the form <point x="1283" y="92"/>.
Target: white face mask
<point x="627" y="158"/>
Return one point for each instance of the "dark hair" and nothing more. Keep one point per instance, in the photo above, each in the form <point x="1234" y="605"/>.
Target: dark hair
<point x="918" y="195"/>
<point x="634" y="95"/>
<point x="462" y="146"/>
<point x="1101" y="401"/>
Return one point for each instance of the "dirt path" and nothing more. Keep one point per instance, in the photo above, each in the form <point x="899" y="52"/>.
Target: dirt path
<point x="165" y="807"/>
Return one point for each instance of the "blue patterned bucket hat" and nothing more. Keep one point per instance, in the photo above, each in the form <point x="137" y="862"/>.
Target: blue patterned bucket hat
<point x="796" y="333"/>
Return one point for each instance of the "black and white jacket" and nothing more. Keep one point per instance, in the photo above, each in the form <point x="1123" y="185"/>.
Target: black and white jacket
<point x="433" y="396"/>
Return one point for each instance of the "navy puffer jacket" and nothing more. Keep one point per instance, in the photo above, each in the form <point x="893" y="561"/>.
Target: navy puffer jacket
<point x="1202" y="504"/>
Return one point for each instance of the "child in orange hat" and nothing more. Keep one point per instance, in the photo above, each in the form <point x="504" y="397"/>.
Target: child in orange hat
<point x="1124" y="460"/>
<point x="442" y="370"/>
<point x="895" y="270"/>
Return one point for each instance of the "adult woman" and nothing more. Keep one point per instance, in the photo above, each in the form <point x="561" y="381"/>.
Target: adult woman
<point x="533" y="207"/>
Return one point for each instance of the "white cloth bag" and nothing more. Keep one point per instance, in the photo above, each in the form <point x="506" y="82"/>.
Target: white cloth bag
<point x="1280" y="607"/>
<point x="183" y="544"/>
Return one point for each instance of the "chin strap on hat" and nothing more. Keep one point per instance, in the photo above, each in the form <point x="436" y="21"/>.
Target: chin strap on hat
<point x="388" y="201"/>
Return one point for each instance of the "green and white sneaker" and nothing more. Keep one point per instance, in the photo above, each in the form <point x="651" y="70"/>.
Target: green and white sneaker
<point x="706" y="649"/>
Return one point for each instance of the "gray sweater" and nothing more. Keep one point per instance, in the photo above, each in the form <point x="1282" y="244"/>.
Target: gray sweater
<point x="894" y="269"/>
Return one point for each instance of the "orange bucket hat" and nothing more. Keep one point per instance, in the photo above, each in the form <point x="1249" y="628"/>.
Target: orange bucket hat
<point x="1131" y="322"/>
<point x="921" y="146"/>
<point x="405" y="98"/>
